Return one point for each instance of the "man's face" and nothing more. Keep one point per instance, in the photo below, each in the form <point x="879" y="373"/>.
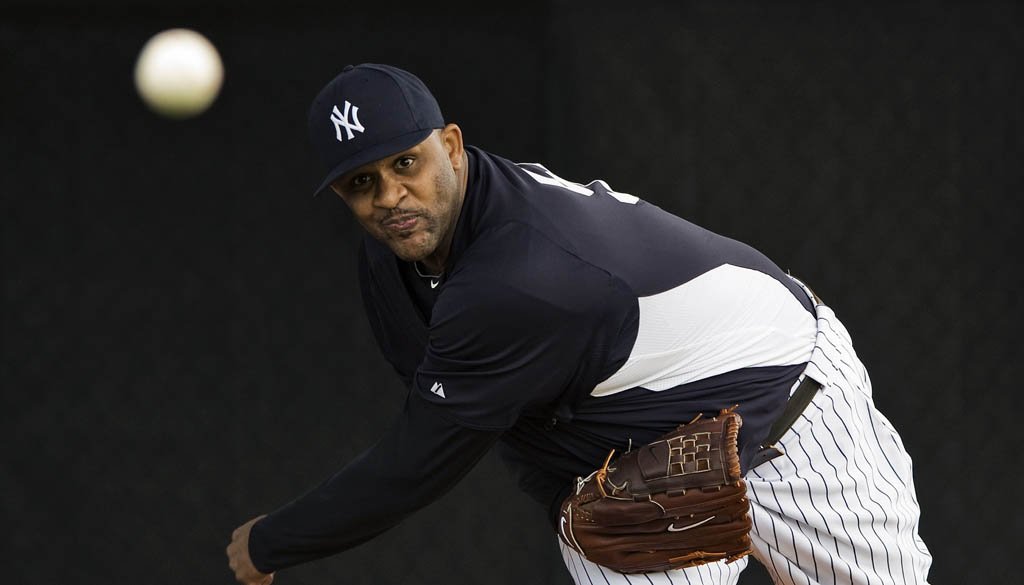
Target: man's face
<point x="410" y="201"/>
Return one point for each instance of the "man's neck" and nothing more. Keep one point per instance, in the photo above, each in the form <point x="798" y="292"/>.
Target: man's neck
<point x="432" y="266"/>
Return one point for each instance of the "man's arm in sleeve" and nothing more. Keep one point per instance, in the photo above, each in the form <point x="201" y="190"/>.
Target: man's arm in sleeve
<point x="421" y="457"/>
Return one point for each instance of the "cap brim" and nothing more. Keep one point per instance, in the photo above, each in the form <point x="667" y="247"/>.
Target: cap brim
<point x="393" y="146"/>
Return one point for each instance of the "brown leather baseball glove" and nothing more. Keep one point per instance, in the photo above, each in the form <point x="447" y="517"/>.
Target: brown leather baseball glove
<point x="676" y="502"/>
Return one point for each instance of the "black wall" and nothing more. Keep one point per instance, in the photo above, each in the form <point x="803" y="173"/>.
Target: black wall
<point x="183" y="346"/>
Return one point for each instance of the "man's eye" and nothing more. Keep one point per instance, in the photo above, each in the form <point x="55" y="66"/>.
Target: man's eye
<point x="404" y="162"/>
<point x="360" y="180"/>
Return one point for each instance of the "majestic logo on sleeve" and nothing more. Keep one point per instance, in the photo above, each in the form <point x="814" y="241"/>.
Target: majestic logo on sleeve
<point x="341" y="120"/>
<point x="438" y="389"/>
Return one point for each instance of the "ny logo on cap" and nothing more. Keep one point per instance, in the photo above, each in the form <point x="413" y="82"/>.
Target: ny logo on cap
<point x="341" y="120"/>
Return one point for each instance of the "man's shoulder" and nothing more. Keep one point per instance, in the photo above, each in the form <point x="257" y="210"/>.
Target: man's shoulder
<point x="517" y="250"/>
<point x="515" y="267"/>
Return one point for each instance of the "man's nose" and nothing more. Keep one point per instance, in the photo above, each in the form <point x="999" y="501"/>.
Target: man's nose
<point x="390" y="192"/>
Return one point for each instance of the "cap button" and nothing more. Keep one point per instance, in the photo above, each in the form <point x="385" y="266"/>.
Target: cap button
<point x="348" y="68"/>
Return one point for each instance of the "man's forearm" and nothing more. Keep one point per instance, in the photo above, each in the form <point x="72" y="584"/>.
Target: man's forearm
<point x="420" y="458"/>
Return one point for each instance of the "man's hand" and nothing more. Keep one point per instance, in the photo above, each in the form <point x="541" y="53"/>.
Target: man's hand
<point x="238" y="557"/>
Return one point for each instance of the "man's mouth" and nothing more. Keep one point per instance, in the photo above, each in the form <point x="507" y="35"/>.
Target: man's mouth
<point x="402" y="223"/>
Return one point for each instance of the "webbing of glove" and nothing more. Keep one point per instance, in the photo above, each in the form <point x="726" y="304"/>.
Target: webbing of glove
<point x="676" y="502"/>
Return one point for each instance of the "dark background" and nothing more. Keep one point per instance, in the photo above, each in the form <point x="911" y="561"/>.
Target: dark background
<point x="183" y="348"/>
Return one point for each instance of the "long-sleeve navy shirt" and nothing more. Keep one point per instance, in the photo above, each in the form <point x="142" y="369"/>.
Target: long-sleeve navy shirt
<point x="570" y="320"/>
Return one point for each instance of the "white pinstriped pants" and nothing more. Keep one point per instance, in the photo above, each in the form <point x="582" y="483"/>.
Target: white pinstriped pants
<point x="838" y="508"/>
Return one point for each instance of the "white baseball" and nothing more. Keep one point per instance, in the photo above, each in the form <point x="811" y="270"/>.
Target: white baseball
<point x="179" y="73"/>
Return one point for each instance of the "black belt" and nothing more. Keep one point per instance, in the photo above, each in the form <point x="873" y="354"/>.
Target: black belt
<point x="797" y="403"/>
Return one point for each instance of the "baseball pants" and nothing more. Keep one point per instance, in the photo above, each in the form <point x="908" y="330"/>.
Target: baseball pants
<point x="838" y="508"/>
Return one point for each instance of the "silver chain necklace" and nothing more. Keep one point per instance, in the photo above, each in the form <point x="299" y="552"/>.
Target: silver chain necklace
<point x="416" y="267"/>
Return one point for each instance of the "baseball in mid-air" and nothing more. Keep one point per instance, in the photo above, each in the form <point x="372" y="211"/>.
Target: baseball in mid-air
<point x="179" y="73"/>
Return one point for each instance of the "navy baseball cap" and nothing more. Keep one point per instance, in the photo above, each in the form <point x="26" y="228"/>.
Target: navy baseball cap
<point x="368" y="112"/>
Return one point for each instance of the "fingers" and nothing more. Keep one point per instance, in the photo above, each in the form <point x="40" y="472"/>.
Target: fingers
<point x="238" y="557"/>
<point x="232" y="551"/>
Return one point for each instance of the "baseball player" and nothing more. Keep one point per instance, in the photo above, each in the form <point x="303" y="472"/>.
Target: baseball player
<point x="575" y="328"/>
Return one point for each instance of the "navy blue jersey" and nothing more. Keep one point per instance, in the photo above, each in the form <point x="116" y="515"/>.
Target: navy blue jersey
<point x="590" y="311"/>
<point x="560" y="296"/>
<point x="570" y="320"/>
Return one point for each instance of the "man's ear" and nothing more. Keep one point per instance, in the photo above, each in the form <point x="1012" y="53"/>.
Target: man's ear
<point x="451" y="141"/>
